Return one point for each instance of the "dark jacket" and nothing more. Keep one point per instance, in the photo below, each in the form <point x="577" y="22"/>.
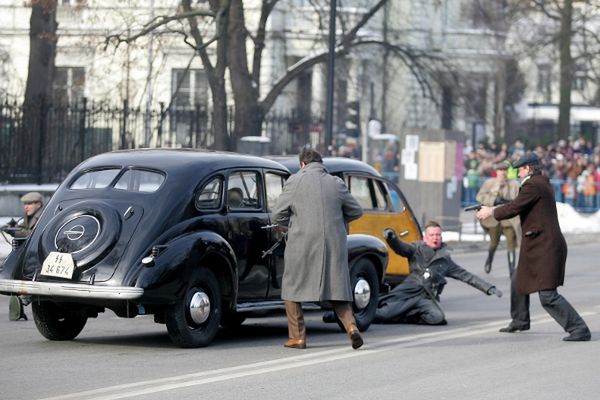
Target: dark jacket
<point x="543" y="248"/>
<point x="429" y="269"/>
<point x="26" y="226"/>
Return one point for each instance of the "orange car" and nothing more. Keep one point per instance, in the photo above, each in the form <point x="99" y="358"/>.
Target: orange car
<point x="383" y="204"/>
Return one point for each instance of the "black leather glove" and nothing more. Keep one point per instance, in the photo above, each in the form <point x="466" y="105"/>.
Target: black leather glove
<point x="12" y="223"/>
<point x="494" y="290"/>
<point x="389" y="234"/>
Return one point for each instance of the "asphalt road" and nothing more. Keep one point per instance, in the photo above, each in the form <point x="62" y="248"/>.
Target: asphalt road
<point x="116" y="358"/>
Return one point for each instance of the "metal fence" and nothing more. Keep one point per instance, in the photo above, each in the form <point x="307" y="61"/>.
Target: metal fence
<point x="42" y="143"/>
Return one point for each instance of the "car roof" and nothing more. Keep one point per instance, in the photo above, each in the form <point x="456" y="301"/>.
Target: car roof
<point x="178" y="160"/>
<point x="333" y="164"/>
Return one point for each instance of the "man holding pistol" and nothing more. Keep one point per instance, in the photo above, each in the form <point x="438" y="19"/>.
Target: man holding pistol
<point x="543" y="254"/>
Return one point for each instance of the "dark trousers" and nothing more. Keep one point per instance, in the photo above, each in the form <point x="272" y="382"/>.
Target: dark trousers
<point x="295" y="317"/>
<point x="556" y="305"/>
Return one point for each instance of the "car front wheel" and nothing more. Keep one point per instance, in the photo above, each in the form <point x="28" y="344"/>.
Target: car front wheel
<point x="57" y="321"/>
<point x="365" y="290"/>
<point x="194" y="320"/>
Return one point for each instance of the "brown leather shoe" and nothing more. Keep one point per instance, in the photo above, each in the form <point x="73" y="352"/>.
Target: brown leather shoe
<point x="355" y="338"/>
<point x="295" y="344"/>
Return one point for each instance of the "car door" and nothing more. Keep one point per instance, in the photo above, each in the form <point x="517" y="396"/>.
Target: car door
<point x="274" y="181"/>
<point x="384" y="206"/>
<point x="247" y="217"/>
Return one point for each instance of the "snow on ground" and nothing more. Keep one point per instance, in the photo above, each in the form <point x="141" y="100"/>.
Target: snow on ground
<point x="571" y="222"/>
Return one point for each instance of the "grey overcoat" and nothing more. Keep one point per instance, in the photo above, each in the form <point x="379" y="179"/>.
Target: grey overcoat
<point x="316" y="206"/>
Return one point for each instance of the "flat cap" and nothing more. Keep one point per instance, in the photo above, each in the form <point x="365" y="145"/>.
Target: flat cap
<point x="502" y="165"/>
<point x="32" y="197"/>
<point x="527" y="159"/>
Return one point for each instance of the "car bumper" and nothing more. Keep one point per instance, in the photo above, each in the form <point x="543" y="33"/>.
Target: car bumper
<point x="57" y="289"/>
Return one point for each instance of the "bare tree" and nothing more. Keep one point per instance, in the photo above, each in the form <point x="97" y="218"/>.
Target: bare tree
<point x="227" y="37"/>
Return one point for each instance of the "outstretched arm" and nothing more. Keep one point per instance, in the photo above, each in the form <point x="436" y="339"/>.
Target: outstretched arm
<point x="457" y="272"/>
<point x="401" y="248"/>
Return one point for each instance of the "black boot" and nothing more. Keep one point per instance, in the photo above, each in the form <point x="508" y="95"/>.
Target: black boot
<point x="511" y="262"/>
<point x="488" y="263"/>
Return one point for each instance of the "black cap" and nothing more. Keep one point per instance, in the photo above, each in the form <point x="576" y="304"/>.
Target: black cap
<point x="527" y="159"/>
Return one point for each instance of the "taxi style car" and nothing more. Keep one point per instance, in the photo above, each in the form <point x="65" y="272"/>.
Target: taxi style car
<point x="180" y="234"/>
<point x="384" y="206"/>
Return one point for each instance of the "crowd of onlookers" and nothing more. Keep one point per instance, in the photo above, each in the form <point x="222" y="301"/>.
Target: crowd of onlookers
<point x="573" y="167"/>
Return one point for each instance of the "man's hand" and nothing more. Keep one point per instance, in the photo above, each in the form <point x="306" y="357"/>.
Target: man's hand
<point x="389" y="234"/>
<point x="494" y="290"/>
<point x="484" y="212"/>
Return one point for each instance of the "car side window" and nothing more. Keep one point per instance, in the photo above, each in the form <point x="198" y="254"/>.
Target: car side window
<point x="359" y="187"/>
<point x="381" y="203"/>
<point x="395" y="198"/>
<point x="274" y="186"/>
<point x="243" y="190"/>
<point x="209" y="197"/>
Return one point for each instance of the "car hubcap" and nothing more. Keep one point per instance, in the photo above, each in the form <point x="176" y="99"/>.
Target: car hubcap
<point x="200" y="307"/>
<point x="362" y="293"/>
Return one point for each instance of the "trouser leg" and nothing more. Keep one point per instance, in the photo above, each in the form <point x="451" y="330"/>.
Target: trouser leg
<point x="511" y="245"/>
<point x="428" y="312"/>
<point x="519" y="306"/>
<point x="494" y="237"/>
<point x="295" y="317"/>
<point x="562" y="311"/>
<point x="343" y="310"/>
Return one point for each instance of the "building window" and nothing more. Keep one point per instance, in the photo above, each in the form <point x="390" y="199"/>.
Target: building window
<point x="189" y="88"/>
<point x="69" y="84"/>
<point x="544" y="82"/>
<point x="579" y="78"/>
<point x="188" y="116"/>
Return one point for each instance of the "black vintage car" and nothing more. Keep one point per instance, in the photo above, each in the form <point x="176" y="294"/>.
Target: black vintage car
<point x="180" y="234"/>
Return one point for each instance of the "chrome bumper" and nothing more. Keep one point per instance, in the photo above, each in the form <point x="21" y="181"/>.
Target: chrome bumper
<point x="58" y="289"/>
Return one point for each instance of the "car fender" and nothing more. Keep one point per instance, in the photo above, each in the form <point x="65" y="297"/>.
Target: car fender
<point x="168" y="274"/>
<point x="360" y="245"/>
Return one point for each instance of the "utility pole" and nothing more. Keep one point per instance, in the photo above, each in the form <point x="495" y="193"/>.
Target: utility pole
<point x="330" y="80"/>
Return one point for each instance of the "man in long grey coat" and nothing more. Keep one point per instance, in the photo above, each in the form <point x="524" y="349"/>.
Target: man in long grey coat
<point x="543" y="254"/>
<point x="316" y="208"/>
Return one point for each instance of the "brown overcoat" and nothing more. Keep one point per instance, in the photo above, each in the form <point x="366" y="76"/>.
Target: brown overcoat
<point x="543" y="251"/>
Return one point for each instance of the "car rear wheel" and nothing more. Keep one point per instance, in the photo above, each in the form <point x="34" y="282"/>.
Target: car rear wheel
<point x="57" y="321"/>
<point x="194" y="320"/>
<point x="365" y="291"/>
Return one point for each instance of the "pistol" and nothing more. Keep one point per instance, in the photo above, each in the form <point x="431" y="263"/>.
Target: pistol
<point x="474" y="207"/>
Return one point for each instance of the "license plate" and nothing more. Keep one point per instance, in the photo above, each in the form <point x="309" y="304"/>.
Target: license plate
<point x="58" y="264"/>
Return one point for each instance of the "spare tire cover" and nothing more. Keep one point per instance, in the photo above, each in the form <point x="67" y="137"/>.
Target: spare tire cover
<point x="87" y="230"/>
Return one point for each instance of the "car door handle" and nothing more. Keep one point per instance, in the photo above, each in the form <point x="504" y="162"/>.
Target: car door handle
<point x="404" y="233"/>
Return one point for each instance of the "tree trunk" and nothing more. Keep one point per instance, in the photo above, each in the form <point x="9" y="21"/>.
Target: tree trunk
<point x="566" y="70"/>
<point x="248" y="113"/>
<point x="38" y="89"/>
<point x="42" y="50"/>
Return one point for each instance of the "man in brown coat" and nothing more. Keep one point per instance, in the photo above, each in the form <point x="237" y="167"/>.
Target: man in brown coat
<point x="543" y="254"/>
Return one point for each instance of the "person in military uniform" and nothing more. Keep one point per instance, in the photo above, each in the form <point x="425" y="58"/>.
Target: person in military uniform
<point x="543" y="255"/>
<point x="493" y="192"/>
<point x="33" y="203"/>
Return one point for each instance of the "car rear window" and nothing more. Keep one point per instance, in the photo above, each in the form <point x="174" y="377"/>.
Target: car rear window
<point x="95" y="179"/>
<point x="139" y="180"/>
